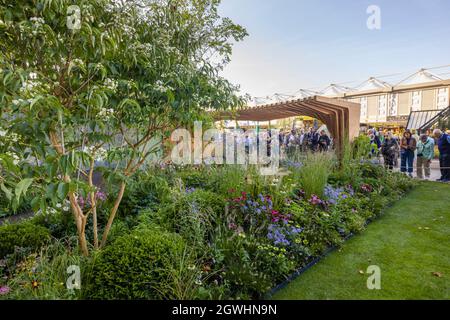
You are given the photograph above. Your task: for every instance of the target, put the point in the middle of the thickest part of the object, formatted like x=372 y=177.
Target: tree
x=99 y=82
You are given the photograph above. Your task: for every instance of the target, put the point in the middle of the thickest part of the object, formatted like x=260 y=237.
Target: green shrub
x=25 y=235
x=60 y=224
x=193 y=215
x=135 y=266
x=145 y=190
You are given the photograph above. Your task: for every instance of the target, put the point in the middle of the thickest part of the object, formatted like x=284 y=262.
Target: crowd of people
x=302 y=141
x=411 y=148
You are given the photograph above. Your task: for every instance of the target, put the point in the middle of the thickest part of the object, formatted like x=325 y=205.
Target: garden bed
x=205 y=232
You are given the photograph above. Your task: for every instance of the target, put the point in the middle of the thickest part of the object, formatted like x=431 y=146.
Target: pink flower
x=315 y=200
x=232 y=226
x=366 y=188
x=4 y=290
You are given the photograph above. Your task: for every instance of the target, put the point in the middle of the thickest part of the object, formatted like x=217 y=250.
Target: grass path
x=410 y=243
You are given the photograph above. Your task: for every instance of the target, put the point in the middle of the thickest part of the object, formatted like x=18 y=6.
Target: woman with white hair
x=443 y=142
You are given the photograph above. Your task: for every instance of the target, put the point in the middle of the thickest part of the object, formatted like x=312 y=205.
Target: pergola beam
x=341 y=117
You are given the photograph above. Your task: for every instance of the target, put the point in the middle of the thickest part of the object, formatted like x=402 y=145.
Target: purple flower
x=100 y=196
x=190 y=190
x=4 y=290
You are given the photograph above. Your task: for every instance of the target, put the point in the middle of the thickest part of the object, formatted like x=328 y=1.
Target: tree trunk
x=113 y=214
x=80 y=219
x=93 y=204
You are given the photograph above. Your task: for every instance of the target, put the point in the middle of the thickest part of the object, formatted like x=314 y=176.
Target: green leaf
x=22 y=187
x=6 y=191
x=63 y=189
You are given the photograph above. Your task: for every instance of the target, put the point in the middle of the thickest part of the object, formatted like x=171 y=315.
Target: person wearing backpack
x=425 y=153
x=443 y=142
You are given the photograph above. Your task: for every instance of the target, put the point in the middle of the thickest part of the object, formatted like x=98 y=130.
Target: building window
x=393 y=105
x=363 y=103
x=382 y=106
x=416 y=101
x=442 y=98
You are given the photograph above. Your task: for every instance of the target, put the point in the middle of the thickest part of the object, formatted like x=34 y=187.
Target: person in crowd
x=301 y=137
x=389 y=150
x=313 y=139
x=324 y=141
x=291 y=143
x=304 y=145
x=443 y=142
x=381 y=136
x=408 y=146
x=247 y=142
x=425 y=154
x=374 y=142
x=417 y=138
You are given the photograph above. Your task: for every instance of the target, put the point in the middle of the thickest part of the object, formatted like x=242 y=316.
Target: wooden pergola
x=340 y=116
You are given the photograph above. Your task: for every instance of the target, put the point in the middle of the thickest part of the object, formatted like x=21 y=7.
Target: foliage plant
x=93 y=89
x=313 y=175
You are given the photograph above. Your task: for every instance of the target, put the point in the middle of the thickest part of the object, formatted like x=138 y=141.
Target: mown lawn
x=410 y=243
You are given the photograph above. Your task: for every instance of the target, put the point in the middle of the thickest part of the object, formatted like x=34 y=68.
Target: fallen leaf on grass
x=437 y=274
x=361 y=272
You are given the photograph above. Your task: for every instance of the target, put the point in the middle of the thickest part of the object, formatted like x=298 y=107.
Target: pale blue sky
x=309 y=44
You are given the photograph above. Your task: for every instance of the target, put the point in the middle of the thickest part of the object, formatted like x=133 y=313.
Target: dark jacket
x=444 y=145
x=389 y=147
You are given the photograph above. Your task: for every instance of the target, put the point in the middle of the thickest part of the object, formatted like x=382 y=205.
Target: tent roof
x=421 y=76
x=372 y=84
x=334 y=90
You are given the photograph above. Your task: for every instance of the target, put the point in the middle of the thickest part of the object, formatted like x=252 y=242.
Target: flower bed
x=237 y=234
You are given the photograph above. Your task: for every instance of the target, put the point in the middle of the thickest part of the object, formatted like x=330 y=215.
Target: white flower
x=159 y=86
x=111 y=84
x=37 y=20
x=14 y=156
x=99 y=154
x=105 y=113
x=28 y=85
x=198 y=282
x=33 y=75
x=78 y=62
x=59 y=205
x=66 y=209
x=16 y=102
